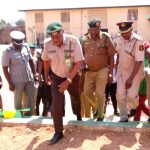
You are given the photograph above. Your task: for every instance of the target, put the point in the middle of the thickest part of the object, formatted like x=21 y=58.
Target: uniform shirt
x=97 y=52
x=130 y=51
x=63 y=58
x=18 y=63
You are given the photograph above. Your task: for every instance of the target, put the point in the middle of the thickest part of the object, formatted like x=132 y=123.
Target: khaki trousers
x=95 y=82
x=86 y=107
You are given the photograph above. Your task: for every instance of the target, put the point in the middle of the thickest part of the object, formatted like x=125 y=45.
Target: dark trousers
x=111 y=89
x=1 y=104
x=44 y=93
x=59 y=100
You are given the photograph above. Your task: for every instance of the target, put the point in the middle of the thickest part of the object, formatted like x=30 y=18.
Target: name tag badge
x=141 y=48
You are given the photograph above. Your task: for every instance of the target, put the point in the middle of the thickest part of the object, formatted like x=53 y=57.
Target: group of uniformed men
x=94 y=57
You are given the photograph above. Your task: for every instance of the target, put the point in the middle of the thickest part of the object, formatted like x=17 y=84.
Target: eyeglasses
x=55 y=33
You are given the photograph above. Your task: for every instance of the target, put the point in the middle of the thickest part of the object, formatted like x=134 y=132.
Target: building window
x=65 y=19
x=38 y=17
x=39 y=27
x=132 y=14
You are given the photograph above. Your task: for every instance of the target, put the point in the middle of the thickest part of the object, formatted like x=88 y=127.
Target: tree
x=20 y=22
x=3 y=23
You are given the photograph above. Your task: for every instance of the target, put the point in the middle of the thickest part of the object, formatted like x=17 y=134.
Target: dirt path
x=26 y=137
x=76 y=138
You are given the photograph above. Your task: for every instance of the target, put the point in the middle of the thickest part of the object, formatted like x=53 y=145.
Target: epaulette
x=9 y=48
x=106 y=34
x=138 y=37
x=86 y=37
x=47 y=40
x=116 y=37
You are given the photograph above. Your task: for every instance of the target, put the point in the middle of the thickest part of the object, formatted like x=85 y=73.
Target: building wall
x=143 y=23
x=115 y=16
x=30 y=26
x=5 y=33
x=80 y=17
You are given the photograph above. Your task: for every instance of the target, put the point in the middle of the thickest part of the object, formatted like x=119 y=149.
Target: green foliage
x=20 y=22
x=3 y=23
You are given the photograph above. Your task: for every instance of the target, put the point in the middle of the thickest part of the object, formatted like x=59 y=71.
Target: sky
x=9 y=10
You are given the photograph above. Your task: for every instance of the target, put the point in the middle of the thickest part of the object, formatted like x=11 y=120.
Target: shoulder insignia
x=138 y=37
x=141 y=48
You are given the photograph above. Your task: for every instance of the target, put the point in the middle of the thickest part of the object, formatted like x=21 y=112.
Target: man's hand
x=128 y=83
x=63 y=86
x=11 y=87
x=48 y=80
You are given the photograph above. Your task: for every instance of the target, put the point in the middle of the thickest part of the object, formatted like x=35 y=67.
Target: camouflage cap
x=53 y=28
x=94 y=22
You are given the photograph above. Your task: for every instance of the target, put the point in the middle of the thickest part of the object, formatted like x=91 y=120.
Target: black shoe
x=57 y=136
x=116 y=113
x=79 y=118
x=126 y=120
x=95 y=113
x=27 y=114
x=44 y=114
x=132 y=112
x=100 y=119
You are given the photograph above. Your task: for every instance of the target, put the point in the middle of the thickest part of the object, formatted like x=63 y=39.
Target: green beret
x=94 y=22
x=31 y=45
x=125 y=26
x=53 y=27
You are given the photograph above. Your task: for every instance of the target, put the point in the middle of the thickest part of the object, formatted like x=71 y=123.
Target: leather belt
x=87 y=69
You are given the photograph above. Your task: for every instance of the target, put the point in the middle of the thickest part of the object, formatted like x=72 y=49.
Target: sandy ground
x=75 y=138
x=25 y=137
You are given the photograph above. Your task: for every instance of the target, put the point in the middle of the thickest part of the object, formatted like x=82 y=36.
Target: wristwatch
x=69 y=80
x=110 y=75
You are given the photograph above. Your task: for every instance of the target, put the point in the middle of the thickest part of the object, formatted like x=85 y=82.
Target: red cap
x=146 y=45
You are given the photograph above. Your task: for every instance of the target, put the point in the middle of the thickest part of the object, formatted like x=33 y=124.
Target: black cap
x=125 y=26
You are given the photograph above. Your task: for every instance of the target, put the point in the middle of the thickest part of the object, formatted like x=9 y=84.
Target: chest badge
x=141 y=48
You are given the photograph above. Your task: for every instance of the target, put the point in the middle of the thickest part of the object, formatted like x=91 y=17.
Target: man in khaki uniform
x=86 y=108
x=99 y=56
x=130 y=71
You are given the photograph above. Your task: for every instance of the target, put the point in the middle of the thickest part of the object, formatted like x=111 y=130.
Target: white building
x=74 y=14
